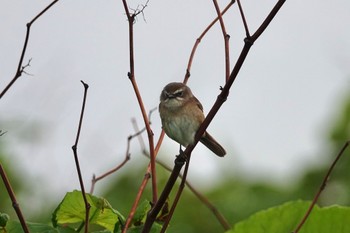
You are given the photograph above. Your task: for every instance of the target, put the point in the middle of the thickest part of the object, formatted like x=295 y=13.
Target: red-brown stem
x=137 y=200
x=131 y=74
x=142 y=187
x=13 y=199
x=199 y=39
x=322 y=187
x=95 y=179
x=226 y=40
x=74 y=148
x=126 y=159
x=247 y=33
x=20 y=67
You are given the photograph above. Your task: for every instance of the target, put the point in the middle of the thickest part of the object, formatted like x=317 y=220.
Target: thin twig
x=178 y=195
x=146 y=178
x=152 y=214
x=138 y=11
x=15 y=204
x=321 y=188
x=226 y=40
x=96 y=179
x=2 y=132
x=74 y=148
x=247 y=33
x=131 y=75
x=20 y=67
x=126 y=159
x=199 y=39
x=142 y=187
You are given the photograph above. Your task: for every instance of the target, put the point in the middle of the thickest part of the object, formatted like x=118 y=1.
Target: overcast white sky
x=272 y=125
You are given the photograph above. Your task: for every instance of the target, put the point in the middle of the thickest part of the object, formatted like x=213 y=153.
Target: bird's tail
x=213 y=145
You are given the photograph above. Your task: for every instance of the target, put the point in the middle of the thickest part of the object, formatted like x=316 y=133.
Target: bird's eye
x=179 y=94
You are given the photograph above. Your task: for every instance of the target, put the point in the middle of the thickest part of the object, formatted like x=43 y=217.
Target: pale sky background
x=272 y=125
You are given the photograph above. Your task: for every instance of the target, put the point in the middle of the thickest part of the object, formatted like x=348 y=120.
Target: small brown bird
x=182 y=114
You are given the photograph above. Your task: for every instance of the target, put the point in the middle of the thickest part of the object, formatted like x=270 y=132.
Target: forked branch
x=20 y=67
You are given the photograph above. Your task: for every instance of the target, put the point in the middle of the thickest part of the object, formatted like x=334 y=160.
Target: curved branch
x=322 y=187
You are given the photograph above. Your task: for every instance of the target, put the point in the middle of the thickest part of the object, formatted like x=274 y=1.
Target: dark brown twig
x=321 y=188
x=20 y=67
x=152 y=214
x=178 y=195
x=13 y=199
x=74 y=148
x=151 y=217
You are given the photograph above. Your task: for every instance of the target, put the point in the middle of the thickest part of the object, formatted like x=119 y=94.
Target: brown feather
x=213 y=145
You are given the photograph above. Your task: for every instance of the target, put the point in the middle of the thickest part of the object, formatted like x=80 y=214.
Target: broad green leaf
x=72 y=210
x=285 y=218
x=156 y=227
x=141 y=212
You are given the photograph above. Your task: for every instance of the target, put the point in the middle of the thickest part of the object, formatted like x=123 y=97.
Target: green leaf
x=141 y=212
x=285 y=218
x=72 y=210
x=16 y=227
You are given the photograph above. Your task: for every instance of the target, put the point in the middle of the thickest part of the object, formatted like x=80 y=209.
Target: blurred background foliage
x=236 y=197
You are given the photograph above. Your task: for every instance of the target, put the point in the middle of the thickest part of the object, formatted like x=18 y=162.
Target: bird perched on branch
x=182 y=114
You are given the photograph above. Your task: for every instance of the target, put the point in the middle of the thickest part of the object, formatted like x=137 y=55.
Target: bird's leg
x=181 y=157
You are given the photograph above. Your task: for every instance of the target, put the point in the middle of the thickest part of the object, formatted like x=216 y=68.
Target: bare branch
x=226 y=40
x=247 y=34
x=199 y=39
x=20 y=67
x=13 y=199
x=131 y=75
x=322 y=187
x=74 y=148
x=138 y=11
x=146 y=177
x=178 y=195
x=179 y=162
x=127 y=155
